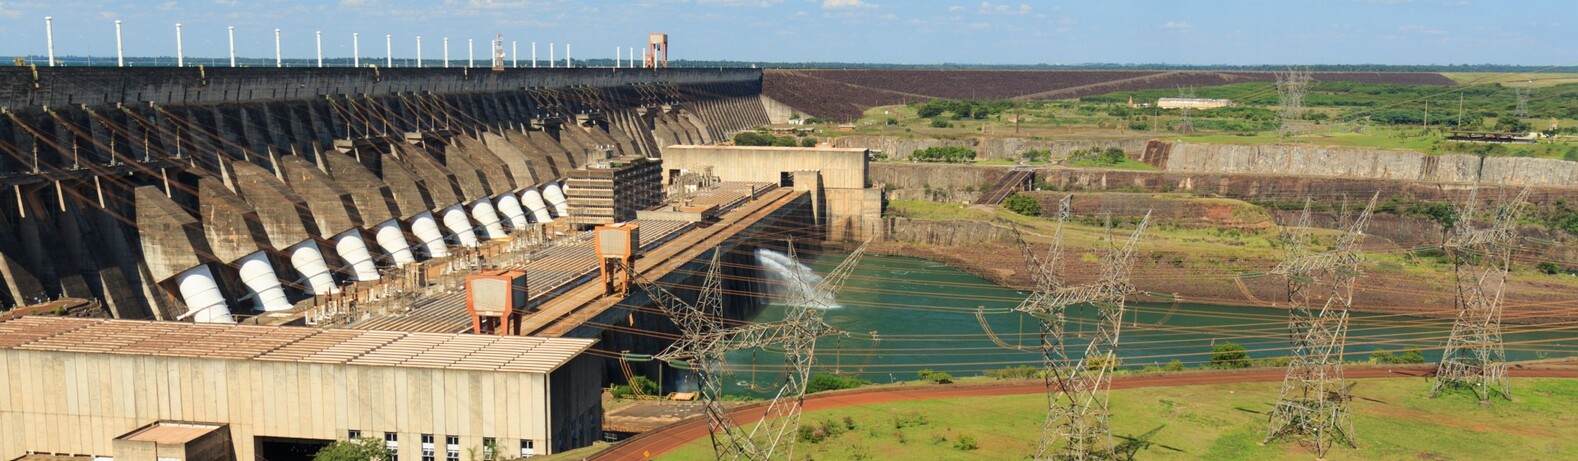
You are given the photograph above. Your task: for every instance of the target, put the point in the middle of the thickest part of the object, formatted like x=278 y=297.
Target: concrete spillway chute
x=426 y=230
x=554 y=195
x=488 y=218
x=392 y=240
x=353 y=250
x=308 y=260
x=539 y=208
x=258 y=274
x=455 y=219
x=204 y=302
x=510 y=207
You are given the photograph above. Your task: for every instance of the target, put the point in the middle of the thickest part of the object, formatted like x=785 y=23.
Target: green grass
x=1393 y=418
x=1125 y=164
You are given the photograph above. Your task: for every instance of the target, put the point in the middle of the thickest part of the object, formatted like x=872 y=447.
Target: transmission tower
x=1474 y=357
x=1076 y=424
x=797 y=333
x=1185 y=124
x=1292 y=85
x=1314 y=399
x=1522 y=93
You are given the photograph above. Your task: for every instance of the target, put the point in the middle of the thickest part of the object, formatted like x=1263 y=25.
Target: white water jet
x=791 y=280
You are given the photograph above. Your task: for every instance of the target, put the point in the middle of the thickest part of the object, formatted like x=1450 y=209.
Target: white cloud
x=8 y=12
x=1181 y=26
x=1418 y=29
x=760 y=3
x=1003 y=8
x=845 y=4
x=956 y=8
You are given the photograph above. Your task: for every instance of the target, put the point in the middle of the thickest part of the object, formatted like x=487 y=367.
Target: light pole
x=232 y=46
x=49 y=36
x=470 y=60
x=515 y=59
x=356 y=49
x=446 y=52
x=180 y=53
x=320 y=48
x=120 y=53
x=279 y=61
x=534 y=55
x=419 y=51
x=389 y=50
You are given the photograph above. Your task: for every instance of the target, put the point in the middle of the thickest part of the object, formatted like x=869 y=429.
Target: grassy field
x=1535 y=80
x=1393 y=418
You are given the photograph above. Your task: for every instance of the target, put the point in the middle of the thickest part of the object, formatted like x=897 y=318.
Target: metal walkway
x=1016 y=179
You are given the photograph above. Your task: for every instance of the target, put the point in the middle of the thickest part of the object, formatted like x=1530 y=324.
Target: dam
x=324 y=222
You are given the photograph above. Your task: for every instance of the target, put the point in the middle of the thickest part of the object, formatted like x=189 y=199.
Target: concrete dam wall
x=986 y=148
x=186 y=193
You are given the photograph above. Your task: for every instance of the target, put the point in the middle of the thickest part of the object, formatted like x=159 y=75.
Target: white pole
x=320 y=48
x=568 y=62
x=552 y=61
x=232 y=46
x=470 y=59
x=389 y=50
x=419 y=51
x=279 y=61
x=643 y=57
x=515 y=59
x=180 y=53
x=120 y=53
x=534 y=55
x=446 y=52
x=356 y=49
x=49 y=36
x=618 y=53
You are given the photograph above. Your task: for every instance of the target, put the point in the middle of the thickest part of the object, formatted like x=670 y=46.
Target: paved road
x=657 y=442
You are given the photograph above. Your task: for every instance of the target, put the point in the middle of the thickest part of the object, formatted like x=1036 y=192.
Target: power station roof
x=519 y=354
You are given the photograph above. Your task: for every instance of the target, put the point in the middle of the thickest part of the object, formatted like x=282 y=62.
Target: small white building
x=1192 y=103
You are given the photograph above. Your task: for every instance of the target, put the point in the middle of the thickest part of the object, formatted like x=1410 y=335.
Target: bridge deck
x=557 y=278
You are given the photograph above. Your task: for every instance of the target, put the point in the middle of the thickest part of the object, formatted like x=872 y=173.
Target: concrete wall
x=841 y=168
x=985 y=147
x=79 y=402
x=1368 y=164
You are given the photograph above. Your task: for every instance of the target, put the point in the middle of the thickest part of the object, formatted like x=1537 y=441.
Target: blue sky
x=1534 y=32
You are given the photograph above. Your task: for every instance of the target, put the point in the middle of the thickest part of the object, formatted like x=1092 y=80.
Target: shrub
x=825 y=382
x=965 y=442
x=1175 y=365
x=1019 y=372
x=1023 y=205
x=946 y=154
x=1036 y=155
x=785 y=141
x=940 y=123
x=909 y=420
x=645 y=384
x=939 y=377
x=1229 y=355
x=892 y=121
x=362 y=449
x=751 y=138
x=1548 y=268
x=1408 y=356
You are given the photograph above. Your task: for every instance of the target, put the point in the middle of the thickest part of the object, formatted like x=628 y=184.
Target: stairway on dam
x=212 y=194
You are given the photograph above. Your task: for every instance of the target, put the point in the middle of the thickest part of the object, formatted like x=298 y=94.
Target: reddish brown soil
x=655 y=443
x=846 y=94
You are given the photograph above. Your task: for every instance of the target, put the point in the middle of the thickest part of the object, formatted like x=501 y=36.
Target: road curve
x=659 y=441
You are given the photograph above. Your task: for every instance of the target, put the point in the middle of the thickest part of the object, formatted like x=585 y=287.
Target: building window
x=527 y=450
x=427 y=447
x=392 y=442
x=451 y=448
x=353 y=434
x=490 y=448
x=786 y=179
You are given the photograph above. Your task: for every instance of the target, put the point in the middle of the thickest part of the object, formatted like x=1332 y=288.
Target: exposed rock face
x=985 y=148
x=1279 y=159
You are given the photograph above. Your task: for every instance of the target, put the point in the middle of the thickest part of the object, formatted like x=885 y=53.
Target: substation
x=258 y=262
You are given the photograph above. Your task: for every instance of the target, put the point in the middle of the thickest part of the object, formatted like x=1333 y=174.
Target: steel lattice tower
x=702 y=349
x=1076 y=425
x=1314 y=399
x=1474 y=357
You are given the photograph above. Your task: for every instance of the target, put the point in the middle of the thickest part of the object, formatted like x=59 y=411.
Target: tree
x=808 y=142
x=751 y=138
x=1443 y=214
x=1229 y=355
x=1023 y=205
x=362 y=449
x=646 y=385
x=1512 y=125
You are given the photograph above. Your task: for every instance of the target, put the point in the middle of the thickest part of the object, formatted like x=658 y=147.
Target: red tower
x=497 y=300
x=657 y=50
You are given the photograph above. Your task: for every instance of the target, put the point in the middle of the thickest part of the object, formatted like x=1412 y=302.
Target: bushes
x=752 y=138
x=825 y=382
x=1408 y=356
x=1548 y=268
x=1097 y=156
x=645 y=384
x=362 y=449
x=825 y=430
x=1023 y=205
x=909 y=420
x=939 y=377
x=940 y=123
x=1229 y=355
x=1037 y=155
x=966 y=442
x=946 y=154
x=1019 y=372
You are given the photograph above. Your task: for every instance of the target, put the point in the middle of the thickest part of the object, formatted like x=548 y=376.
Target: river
x=903 y=315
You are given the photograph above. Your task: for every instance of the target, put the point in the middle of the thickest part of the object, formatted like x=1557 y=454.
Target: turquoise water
x=924 y=317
